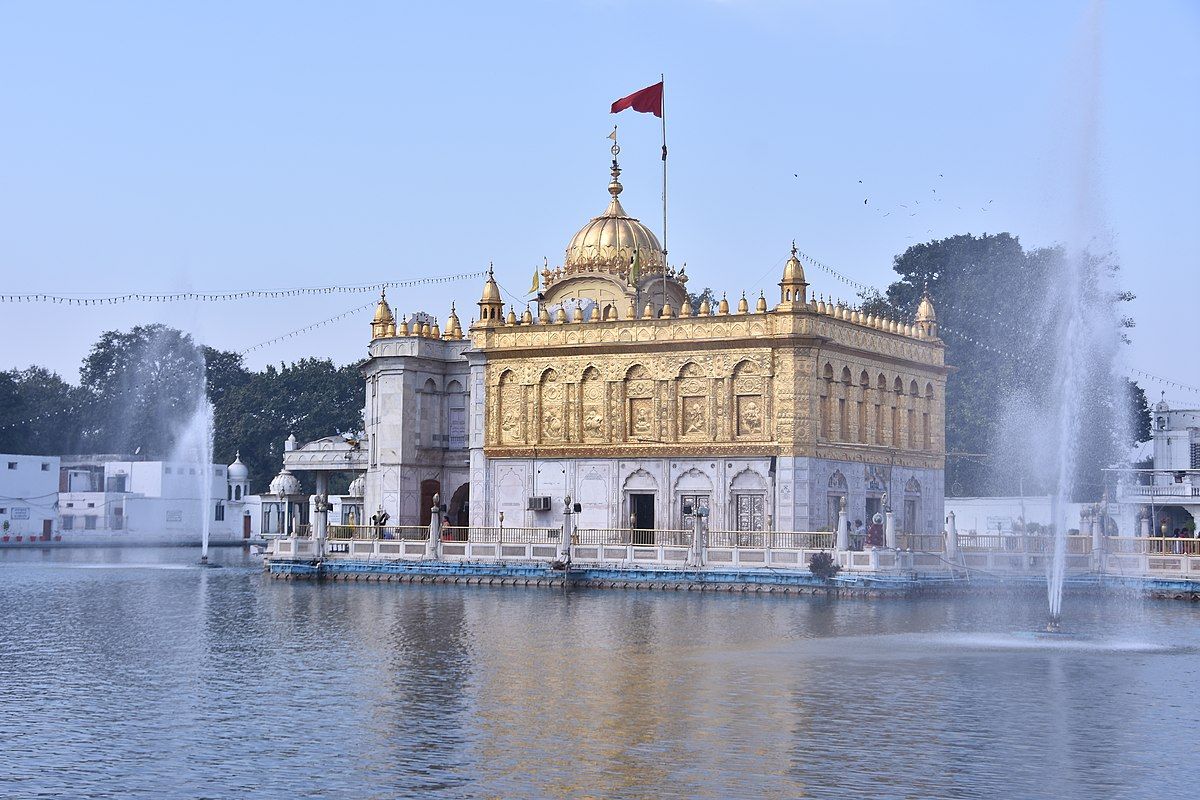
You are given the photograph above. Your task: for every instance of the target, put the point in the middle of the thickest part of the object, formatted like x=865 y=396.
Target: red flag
x=647 y=101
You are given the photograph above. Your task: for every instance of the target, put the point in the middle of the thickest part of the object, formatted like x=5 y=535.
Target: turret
x=491 y=307
x=383 y=323
x=792 y=289
x=926 y=317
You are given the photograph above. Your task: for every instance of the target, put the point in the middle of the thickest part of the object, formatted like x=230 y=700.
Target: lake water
x=130 y=673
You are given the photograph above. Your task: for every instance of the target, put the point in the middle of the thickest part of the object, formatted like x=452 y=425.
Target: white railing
x=1164 y=490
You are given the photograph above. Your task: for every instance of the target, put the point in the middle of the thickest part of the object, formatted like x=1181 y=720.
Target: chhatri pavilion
x=618 y=393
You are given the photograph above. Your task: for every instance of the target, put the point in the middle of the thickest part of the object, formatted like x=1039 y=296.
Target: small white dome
x=357 y=487
x=285 y=483
x=238 y=472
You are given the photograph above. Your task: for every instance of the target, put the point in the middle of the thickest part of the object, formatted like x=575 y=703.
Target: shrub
x=823 y=566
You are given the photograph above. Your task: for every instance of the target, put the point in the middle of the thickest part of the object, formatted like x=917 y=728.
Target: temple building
x=619 y=393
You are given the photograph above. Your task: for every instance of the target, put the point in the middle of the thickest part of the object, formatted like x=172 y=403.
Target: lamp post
x=433 y=547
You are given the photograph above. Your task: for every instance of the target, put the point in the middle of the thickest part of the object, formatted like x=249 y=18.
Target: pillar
x=695 y=552
x=568 y=530
x=1098 y=530
x=433 y=547
x=951 y=538
x=889 y=530
x=1145 y=524
x=842 y=540
x=321 y=514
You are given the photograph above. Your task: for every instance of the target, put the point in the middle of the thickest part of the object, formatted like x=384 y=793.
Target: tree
x=1000 y=312
x=311 y=398
x=705 y=294
x=41 y=412
x=140 y=384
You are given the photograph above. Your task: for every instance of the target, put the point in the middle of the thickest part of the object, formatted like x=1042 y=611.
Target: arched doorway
x=429 y=488
x=459 y=509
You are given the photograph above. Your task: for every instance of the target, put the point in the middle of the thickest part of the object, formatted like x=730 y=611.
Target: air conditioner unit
x=539 y=504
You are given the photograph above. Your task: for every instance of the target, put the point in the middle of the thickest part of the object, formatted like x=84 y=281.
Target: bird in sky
x=864 y=202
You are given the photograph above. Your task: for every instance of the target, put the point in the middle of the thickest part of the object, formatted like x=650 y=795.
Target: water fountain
x=195 y=446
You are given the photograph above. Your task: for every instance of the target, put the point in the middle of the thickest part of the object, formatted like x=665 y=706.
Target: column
x=842 y=540
x=433 y=547
x=321 y=514
x=951 y=538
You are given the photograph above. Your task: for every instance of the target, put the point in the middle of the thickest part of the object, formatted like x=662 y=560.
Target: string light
x=248 y=294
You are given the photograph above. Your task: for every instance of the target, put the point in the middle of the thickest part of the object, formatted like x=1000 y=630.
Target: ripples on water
x=131 y=674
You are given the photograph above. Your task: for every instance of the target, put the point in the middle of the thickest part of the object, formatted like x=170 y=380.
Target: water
x=195 y=446
x=132 y=673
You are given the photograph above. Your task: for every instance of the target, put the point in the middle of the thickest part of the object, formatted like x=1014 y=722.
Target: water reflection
x=130 y=672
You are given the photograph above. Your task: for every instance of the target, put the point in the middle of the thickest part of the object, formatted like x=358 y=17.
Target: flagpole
x=663 y=77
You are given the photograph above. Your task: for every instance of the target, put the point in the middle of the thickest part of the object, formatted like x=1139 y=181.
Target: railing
x=373 y=532
x=1019 y=543
x=922 y=542
x=506 y=534
x=1152 y=545
x=772 y=540
x=1167 y=490
x=303 y=530
x=639 y=537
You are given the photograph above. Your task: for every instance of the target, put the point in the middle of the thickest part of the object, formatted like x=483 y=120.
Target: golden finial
x=666 y=312
x=404 y=327
x=761 y=306
x=631 y=311
x=648 y=312
x=595 y=315
x=743 y=307
x=577 y=314
x=723 y=306
x=685 y=310
x=527 y=317
x=511 y=319
x=560 y=317
x=543 y=316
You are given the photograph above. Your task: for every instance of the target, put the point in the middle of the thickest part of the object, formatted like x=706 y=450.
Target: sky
x=159 y=147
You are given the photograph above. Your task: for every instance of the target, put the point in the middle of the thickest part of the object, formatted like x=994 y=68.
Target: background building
x=28 y=497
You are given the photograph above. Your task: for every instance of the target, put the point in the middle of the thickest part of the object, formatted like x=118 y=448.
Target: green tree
x=311 y=398
x=39 y=412
x=999 y=318
x=141 y=383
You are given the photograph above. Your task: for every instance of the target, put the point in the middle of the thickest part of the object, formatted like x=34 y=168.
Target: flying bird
x=864 y=202
x=887 y=213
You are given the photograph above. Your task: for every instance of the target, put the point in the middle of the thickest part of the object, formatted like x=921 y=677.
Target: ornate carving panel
x=749 y=416
x=693 y=416
x=641 y=418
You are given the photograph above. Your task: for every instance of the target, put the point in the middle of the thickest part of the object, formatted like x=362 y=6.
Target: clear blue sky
x=217 y=146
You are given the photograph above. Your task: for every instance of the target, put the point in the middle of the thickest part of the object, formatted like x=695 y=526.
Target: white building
x=1165 y=498
x=147 y=502
x=28 y=498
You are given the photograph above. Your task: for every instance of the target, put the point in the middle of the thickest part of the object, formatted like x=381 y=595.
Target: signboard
x=20 y=512
x=175 y=516
x=999 y=525
x=458 y=429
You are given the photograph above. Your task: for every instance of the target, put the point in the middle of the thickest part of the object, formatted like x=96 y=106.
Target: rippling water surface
x=129 y=673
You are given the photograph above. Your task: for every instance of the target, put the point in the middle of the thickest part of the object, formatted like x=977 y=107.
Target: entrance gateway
x=641 y=518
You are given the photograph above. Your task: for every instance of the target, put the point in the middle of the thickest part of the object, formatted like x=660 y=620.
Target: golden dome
x=743 y=307
x=761 y=306
x=491 y=292
x=925 y=312
x=723 y=306
x=383 y=312
x=793 y=270
x=607 y=243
